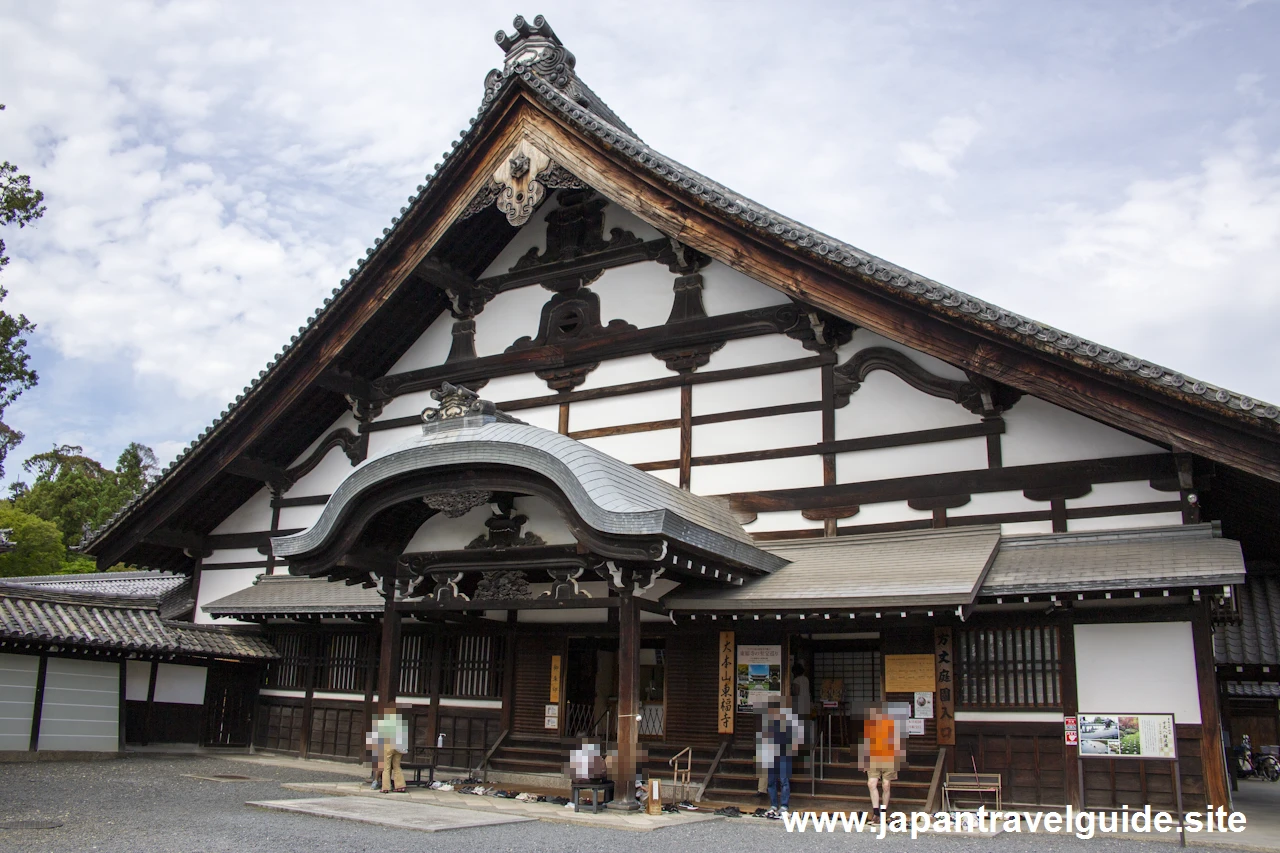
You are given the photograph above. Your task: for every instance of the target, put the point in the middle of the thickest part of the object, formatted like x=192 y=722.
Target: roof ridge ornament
x=539 y=49
x=461 y=404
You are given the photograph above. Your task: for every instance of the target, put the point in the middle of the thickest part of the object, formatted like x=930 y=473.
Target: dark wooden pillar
x=314 y=651
x=1070 y=708
x=1211 y=758
x=151 y=701
x=37 y=705
x=120 y=717
x=389 y=660
x=628 y=700
x=509 y=671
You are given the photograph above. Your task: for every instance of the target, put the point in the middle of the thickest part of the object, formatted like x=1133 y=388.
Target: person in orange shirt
x=881 y=754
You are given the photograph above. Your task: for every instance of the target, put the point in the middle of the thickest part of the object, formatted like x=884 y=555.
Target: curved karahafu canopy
x=468 y=451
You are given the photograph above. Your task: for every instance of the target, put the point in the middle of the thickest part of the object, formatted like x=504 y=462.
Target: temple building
x=589 y=445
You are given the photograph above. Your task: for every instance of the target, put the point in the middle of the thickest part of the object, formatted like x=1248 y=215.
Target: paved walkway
x=395 y=813
x=606 y=819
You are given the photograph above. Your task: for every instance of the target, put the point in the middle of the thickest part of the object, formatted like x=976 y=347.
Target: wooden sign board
x=728 y=680
x=555 y=680
x=909 y=673
x=945 y=707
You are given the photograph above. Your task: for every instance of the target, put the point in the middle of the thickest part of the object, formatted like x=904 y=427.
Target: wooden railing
x=935 y=784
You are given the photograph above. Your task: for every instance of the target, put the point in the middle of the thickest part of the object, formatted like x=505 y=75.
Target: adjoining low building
x=714 y=445
x=90 y=663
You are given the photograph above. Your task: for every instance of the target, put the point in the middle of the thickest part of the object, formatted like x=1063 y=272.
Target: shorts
x=882 y=768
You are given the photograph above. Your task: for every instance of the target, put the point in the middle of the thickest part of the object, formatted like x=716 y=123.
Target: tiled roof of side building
x=1256 y=640
x=287 y=594
x=87 y=620
x=549 y=73
x=1144 y=558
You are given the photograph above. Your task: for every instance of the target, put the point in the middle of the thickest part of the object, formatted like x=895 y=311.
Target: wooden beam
x=1113 y=470
x=37 y=704
x=628 y=701
x=389 y=660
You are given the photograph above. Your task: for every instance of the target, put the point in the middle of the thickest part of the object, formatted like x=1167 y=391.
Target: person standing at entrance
x=802 y=699
x=881 y=754
x=781 y=737
x=394 y=733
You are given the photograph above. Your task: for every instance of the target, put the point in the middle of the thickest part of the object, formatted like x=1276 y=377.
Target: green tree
x=19 y=205
x=75 y=492
x=38 y=548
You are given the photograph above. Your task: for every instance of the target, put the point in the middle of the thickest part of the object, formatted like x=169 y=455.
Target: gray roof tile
x=1256 y=640
x=286 y=595
x=119 y=623
x=1145 y=558
x=931 y=567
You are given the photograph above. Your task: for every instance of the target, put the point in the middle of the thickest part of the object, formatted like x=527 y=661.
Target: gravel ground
x=144 y=804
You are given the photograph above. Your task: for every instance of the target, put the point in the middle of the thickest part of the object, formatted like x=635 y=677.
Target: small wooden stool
x=601 y=793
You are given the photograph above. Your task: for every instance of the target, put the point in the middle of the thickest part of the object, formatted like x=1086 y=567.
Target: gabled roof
x=289 y=595
x=1111 y=386
x=95 y=621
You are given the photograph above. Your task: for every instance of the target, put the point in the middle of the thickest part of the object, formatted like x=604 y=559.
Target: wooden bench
x=601 y=793
x=427 y=758
x=971 y=783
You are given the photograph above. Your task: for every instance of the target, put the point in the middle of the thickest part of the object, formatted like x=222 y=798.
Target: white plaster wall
x=620 y=371
x=865 y=338
x=532 y=233
x=891 y=462
x=762 y=349
x=797 y=473
x=253 y=515
x=234 y=555
x=885 y=513
x=790 y=520
x=325 y=477
x=634 y=448
x=215 y=584
x=430 y=349
x=508 y=317
x=1113 y=494
x=544 y=520
x=137 y=680
x=997 y=502
x=17 y=700
x=518 y=387
x=1036 y=432
x=347 y=420
x=885 y=405
x=725 y=290
x=181 y=685
x=584 y=616
x=384 y=441
x=547 y=417
x=300 y=517
x=641 y=294
x=1137 y=668
x=441 y=533
x=1124 y=522
x=795 y=430
x=1020 y=528
x=408 y=404
x=632 y=409
x=617 y=217
x=799 y=386
x=671 y=476
x=81 y=708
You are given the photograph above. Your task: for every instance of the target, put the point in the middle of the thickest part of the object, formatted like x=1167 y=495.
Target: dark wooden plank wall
x=533 y=681
x=692 y=678
x=1030 y=757
x=280 y=725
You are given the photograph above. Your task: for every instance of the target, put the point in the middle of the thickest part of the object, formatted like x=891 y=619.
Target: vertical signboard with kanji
x=944 y=663
x=728 y=680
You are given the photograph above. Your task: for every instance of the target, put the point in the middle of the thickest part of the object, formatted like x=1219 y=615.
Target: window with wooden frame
x=472 y=666
x=290 y=671
x=416 y=653
x=1009 y=668
x=345 y=661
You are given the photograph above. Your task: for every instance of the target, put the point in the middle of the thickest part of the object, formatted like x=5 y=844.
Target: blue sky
x=213 y=168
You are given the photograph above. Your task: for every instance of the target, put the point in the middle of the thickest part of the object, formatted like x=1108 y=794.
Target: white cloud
x=213 y=168
x=950 y=139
